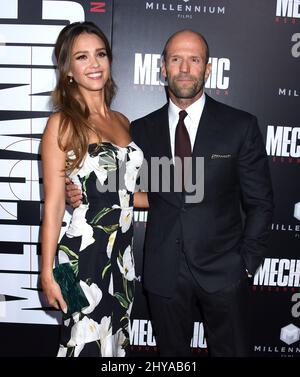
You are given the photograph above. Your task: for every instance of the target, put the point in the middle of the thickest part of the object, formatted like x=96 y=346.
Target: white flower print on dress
x=132 y=167
x=93 y=294
x=63 y=257
x=80 y=227
x=106 y=337
x=126 y=214
x=104 y=231
x=127 y=265
x=78 y=349
x=90 y=164
x=129 y=309
x=121 y=154
x=110 y=243
x=119 y=338
x=62 y=351
x=111 y=286
x=76 y=317
x=84 y=331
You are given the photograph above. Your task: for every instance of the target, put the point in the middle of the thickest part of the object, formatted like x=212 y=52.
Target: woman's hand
x=53 y=293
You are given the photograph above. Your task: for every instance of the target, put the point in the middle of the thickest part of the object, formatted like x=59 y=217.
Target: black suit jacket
x=227 y=232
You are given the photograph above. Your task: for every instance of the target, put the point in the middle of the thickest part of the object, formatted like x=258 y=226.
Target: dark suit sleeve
x=134 y=132
x=257 y=196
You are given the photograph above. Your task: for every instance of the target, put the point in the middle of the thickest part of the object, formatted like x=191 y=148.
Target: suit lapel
x=205 y=136
x=163 y=149
x=162 y=134
x=206 y=130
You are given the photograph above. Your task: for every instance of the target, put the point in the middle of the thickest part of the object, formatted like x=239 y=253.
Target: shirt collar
x=194 y=111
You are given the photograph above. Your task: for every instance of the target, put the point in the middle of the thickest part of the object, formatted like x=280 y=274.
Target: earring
x=70 y=79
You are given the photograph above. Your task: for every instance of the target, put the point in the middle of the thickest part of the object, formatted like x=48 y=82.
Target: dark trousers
x=224 y=315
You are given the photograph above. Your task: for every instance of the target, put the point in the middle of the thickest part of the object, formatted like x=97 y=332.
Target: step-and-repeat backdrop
x=255 y=55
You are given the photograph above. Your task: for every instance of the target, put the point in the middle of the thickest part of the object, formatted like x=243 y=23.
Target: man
x=198 y=256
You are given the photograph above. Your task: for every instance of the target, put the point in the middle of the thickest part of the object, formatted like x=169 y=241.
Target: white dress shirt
x=191 y=121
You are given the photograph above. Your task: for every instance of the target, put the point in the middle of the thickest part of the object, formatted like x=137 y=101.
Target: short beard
x=186 y=93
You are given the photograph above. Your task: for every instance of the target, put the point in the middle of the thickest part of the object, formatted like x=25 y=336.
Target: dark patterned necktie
x=182 y=144
x=182 y=140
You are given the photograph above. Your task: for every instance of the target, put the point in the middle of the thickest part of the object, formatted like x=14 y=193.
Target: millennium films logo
x=147 y=74
x=287 y=11
x=184 y=9
x=283 y=143
x=288 y=92
x=290 y=335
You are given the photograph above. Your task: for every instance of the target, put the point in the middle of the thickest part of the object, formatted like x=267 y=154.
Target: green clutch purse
x=70 y=288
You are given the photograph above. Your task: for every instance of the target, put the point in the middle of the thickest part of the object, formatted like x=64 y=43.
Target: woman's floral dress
x=98 y=244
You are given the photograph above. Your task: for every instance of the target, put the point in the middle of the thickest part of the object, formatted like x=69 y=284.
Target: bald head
x=187 y=33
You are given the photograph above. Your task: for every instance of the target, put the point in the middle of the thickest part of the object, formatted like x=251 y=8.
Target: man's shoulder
x=151 y=117
x=222 y=109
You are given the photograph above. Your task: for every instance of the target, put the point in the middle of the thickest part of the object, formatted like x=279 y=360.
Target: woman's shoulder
x=55 y=119
x=53 y=125
x=122 y=119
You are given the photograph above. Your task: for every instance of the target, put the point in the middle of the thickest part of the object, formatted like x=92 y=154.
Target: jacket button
x=177 y=241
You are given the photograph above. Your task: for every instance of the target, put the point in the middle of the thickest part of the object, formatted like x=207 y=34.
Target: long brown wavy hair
x=74 y=128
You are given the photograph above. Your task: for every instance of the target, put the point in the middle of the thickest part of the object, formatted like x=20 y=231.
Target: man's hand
x=73 y=194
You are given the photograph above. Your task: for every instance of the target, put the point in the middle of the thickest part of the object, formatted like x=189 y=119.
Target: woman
x=87 y=141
